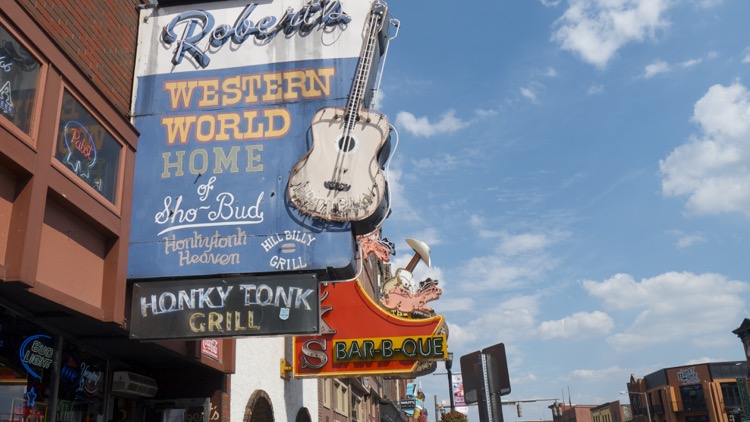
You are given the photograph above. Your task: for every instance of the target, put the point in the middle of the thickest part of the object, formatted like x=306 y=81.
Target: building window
x=80 y=395
x=357 y=409
x=692 y=397
x=327 y=387
x=340 y=397
x=731 y=395
x=27 y=360
x=87 y=149
x=19 y=77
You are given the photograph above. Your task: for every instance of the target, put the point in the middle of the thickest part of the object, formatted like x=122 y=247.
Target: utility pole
x=437 y=411
x=448 y=366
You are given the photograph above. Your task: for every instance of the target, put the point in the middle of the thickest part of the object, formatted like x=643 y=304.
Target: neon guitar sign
x=340 y=178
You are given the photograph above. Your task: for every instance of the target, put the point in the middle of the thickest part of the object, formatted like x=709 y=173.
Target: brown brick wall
x=99 y=36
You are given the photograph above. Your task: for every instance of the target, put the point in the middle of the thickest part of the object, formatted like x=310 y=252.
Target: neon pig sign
x=199 y=24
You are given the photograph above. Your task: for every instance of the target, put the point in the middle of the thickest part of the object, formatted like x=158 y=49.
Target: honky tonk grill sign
x=360 y=338
x=225 y=307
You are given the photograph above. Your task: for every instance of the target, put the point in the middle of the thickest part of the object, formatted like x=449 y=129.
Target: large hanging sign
x=225 y=307
x=359 y=338
x=224 y=99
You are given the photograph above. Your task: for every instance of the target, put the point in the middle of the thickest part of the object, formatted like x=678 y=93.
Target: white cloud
x=512 y=245
x=511 y=320
x=693 y=308
x=591 y=375
x=660 y=66
x=378 y=100
x=402 y=208
x=686 y=240
x=655 y=68
x=579 y=325
x=711 y=169
x=421 y=126
x=440 y=163
x=529 y=94
x=596 y=29
x=452 y=304
x=595 y=89
x=461 y=335
x=514 y=261
x=707 y=3
x=690 y=63
x=523 y=379
x=483 y=113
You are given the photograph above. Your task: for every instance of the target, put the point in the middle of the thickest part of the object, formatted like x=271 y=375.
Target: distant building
x=562 y=412
x=704 y=392
x=611 y=412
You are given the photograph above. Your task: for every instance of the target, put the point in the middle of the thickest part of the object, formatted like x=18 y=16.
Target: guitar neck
x=356 y=96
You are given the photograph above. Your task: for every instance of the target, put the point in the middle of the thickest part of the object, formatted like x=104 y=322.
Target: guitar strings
x=375 y=24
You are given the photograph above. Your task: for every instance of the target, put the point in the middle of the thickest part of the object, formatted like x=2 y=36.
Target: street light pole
x=437 y=409
x=448 y=366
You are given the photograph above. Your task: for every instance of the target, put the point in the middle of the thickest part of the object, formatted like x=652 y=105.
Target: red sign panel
x=359 y=338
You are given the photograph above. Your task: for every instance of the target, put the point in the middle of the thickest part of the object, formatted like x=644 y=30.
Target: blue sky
x=580 y=171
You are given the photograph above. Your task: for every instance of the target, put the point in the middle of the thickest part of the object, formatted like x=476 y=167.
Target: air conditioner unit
x=129 y=384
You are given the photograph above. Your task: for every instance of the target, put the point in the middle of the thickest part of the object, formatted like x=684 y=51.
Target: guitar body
x=340 y=178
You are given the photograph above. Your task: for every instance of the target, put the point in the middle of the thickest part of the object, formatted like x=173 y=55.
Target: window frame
x=326 y=399
x=116 y=205
x=31 y=137
x=340 y=398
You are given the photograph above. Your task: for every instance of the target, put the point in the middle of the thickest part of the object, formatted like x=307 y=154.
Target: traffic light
x=518 y=409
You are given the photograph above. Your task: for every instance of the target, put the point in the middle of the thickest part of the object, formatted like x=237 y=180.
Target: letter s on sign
x=318 y=353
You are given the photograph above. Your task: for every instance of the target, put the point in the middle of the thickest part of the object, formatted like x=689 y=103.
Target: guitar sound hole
x=346 y=144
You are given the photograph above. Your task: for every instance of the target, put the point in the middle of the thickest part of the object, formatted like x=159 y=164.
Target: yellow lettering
x=200 y=327
x=205 y=128
x=228 y=121
x=273 y=87
x=250 y=321
x=250 y=89
x=180 y=93
x=294 y=79
x=178 y=127
x=249 y=84
x=322 y=88
x=214 y=321
x=250 y=118
x=232 y=91
x=210 y=94
x=276 y=117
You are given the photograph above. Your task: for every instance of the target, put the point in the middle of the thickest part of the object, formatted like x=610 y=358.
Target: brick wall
x=99 y=36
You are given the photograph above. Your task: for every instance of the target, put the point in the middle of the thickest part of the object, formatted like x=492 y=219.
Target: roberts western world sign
x=224 y=99
x=225 y=307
